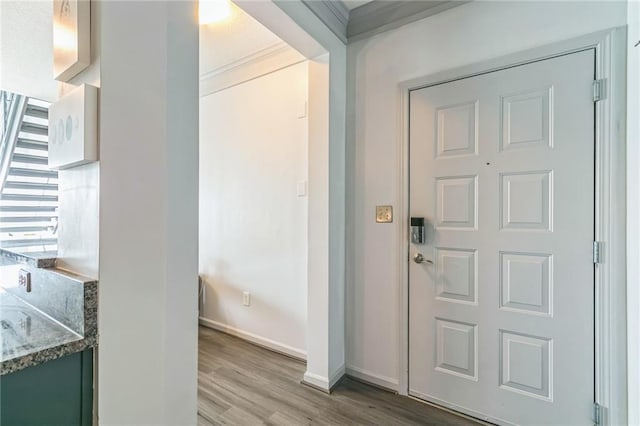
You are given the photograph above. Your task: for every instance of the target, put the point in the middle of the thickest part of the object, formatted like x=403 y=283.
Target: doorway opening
x=264 y=110
x=253 y=184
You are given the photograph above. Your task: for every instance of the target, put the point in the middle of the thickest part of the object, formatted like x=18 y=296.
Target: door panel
x=502 y=169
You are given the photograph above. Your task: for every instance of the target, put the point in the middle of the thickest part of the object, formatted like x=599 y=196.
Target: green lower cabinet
x=58 y=392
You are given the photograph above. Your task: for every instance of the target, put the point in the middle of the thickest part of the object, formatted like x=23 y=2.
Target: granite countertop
x=58 y=318
x=25 y=330
x=39 y=259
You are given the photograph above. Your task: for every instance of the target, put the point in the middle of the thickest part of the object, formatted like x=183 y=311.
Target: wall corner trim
x=337 y=375
x=316 y=381
x=324 y=384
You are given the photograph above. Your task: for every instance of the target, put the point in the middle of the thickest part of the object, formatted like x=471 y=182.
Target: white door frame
x=610 y=210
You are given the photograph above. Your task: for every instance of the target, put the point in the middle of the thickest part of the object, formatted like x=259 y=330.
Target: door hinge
x=598 y=414
x=597 y=252
x=599 y=89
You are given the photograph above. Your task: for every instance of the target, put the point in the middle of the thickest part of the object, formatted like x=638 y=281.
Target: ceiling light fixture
x=213 y=11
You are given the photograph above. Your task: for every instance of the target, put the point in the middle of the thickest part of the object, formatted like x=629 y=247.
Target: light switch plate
x=384 y=214
x=301 y=189
x=302 y=110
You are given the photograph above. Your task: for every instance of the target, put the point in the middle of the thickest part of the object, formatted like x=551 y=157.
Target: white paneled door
x=501 y=309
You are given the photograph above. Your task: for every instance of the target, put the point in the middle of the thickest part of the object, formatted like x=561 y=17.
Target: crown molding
x=333 y=13
x=259 y=63
x=379 y=16
x=338 y=9
x=256 y=56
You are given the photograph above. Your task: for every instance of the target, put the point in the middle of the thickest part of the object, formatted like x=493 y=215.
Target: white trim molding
x=379 y=380
x=379 y=16
x=255 y=339
x=334 y=14
x=257 y=64
x=374 y=17
x=611 y=312
x=321 y=383
x=316 y=381
x=633 y=211
x=610 y=207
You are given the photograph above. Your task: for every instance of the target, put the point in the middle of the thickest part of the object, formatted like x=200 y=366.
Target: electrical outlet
x=24 y=280
x=246 y=298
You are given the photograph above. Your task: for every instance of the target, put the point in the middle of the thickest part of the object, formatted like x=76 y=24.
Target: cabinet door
x=56 y=392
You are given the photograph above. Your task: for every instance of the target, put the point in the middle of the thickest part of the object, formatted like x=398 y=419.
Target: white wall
x=79 y=187
x=26 y=54
x=147 y=312
x=461 y=36
x=253 y=226
x=633 y=211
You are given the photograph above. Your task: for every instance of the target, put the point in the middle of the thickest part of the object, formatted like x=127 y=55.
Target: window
x=29 y=190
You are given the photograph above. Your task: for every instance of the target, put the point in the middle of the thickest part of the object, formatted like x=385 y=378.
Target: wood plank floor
x=243 y=384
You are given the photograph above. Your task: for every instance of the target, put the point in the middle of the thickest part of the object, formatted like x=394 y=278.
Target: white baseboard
x=375 y=379
x=322 y=383
x=254 y=338
x=317 y=381
x=336 y=376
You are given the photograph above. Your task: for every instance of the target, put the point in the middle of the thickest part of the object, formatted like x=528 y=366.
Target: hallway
x=243 y=384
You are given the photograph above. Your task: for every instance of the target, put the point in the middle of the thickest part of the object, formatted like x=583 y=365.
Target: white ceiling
x=26 y=54
x=235 y=38
x=26 y=45
x=26 y=40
